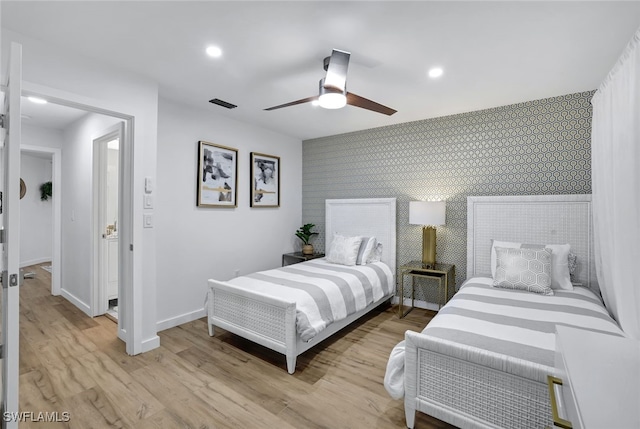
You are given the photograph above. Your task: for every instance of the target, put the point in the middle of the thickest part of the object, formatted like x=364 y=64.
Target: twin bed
x=293 y=308
x=483 y=361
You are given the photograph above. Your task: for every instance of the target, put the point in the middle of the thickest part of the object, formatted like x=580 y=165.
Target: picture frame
x=265 y=180
x=217 y=175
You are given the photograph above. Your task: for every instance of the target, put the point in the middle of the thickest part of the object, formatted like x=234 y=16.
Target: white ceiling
x=493 y=53
x=49 y=115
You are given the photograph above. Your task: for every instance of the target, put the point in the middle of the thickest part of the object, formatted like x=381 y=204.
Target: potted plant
x=304 y=233
x=46 y=190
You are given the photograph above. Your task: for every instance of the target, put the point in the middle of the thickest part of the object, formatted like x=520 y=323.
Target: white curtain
x=615 y=163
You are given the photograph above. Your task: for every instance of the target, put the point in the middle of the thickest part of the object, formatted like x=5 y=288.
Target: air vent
x=223 y=103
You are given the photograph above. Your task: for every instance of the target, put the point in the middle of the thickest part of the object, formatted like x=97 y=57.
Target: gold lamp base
x=428 y=245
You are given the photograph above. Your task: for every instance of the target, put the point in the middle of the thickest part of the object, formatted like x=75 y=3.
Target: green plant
x=45 y=191
x=304 y=233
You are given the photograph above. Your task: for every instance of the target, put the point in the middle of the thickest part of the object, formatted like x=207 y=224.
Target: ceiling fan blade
x=337 y=70
x=293 y=103
x=356 y=100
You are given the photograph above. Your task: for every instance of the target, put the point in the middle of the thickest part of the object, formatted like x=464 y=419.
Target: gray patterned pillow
x=524 y=269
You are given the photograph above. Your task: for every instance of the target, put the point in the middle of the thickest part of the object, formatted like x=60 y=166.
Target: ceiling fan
x=333 y=88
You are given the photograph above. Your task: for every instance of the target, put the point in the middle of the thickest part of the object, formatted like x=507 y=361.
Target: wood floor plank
x=70 y=362
x=134 y=401
x=92 y=409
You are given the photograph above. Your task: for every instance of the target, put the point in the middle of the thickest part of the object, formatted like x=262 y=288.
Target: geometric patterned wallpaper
x=531 y=148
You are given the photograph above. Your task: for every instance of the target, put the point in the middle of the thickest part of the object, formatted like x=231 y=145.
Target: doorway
x=106 y=180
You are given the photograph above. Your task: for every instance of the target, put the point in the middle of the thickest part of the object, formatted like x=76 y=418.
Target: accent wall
x=531 y=148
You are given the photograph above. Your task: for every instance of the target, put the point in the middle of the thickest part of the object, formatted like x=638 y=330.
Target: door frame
x=12 y=275
x=98 y=288
x=131 y=311
x=56 y=180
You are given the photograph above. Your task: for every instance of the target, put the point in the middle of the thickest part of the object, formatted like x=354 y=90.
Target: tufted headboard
x=536 y=219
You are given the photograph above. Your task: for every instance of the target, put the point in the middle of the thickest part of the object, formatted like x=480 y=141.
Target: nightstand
x=296 y=257
x=444 y=273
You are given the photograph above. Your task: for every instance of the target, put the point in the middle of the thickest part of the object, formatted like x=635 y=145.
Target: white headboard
x=369 y=217
x=535 y=219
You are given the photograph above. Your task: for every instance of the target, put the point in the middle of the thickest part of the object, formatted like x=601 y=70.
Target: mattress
x=323 y=292
x=516 y=323
x=504 y=322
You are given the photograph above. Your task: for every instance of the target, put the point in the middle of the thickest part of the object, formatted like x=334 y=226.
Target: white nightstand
x=600 y=376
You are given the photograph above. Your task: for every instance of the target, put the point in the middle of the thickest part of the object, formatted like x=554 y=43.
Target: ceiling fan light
x=332 y=100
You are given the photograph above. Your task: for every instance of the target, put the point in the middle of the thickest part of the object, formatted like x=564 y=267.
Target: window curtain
x=615 y=173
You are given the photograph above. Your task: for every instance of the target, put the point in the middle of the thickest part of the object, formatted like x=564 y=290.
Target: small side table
x=296 y=257
x=444 y=273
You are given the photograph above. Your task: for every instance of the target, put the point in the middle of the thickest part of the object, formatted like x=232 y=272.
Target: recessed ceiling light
x=214 y=51
x=315 y=103
x=435 y=72
x=37 y=100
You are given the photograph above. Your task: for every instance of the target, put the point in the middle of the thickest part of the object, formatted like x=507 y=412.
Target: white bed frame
x=463 y=387
x=270 y=321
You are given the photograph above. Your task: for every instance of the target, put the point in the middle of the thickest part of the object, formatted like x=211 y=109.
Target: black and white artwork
x=217 y=176
x=265 y=180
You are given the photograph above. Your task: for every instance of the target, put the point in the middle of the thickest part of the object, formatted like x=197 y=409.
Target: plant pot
x=307 y=249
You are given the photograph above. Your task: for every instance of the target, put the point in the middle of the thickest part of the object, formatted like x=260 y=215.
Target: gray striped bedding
x=517 y=323
x=504 y=322
x=323 y=292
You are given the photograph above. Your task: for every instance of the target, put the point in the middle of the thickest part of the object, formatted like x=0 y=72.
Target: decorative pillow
x=523 y=269
x=376 y=255
x=560 y=278
x=344 y=250
x=366 y=247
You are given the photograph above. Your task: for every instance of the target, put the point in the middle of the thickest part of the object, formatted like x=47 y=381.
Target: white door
x=11 y=276
x=105 y=194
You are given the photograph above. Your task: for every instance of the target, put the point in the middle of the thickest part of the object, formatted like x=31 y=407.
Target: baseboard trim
x=150 y=344
x=179 y=320
x=35 y=262
x=75 y=301
x=418 y=304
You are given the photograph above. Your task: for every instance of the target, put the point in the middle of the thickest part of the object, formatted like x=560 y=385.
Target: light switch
x=148 y=185
x=147 y=220
x=148 y=201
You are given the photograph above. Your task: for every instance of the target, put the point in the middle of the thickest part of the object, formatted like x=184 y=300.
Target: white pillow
x=367 y=246
x=376 y=254
x=344 y=250
x=560 y=277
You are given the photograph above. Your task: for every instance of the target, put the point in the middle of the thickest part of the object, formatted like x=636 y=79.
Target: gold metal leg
x=402 y=313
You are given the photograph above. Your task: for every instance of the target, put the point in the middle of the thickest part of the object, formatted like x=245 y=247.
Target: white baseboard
x=150 y=344
x=418 y=304
x=35 y=261
x=179 y=320
x=75 y=301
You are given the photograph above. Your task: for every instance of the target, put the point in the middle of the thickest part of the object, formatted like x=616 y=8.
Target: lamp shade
x=427 y=212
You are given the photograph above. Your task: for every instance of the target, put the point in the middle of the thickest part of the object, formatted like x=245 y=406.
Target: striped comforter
x=507 y=322
x=517 y=323
x=323 y=292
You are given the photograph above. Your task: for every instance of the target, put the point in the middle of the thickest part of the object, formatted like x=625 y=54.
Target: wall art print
x=217 y=175
x=265 y=180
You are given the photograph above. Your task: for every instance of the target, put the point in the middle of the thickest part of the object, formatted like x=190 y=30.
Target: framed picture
x=265 y=180
x=217 y=175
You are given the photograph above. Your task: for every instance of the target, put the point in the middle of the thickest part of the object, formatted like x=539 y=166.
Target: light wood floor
x=72 y=363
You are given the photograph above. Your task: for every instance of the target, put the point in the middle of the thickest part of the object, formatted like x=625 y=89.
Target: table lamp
x=428 y=214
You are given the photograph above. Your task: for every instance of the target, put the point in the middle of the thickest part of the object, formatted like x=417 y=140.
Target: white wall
x=36 y=232
x=195 y=244
x=36 y=216
x=77 y=201
x=59 y=74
